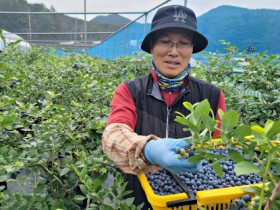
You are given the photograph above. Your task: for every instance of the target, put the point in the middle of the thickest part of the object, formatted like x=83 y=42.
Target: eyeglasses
x=179 y=45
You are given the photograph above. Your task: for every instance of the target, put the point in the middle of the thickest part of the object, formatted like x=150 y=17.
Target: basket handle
x=191 y=200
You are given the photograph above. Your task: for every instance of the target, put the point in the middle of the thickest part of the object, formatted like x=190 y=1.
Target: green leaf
x=40 y=188
x=20 y=104
x=276 y=167
x=244 y=167
x=106 y=207
x=201 y=109
x=3 y=178
x=25 y=145
x=7 y=121
x=268 y=124
x=235 y=156
x=258 y=129
x=180 y=114
x=274 y=130
x=218 y=169
x=188 y=105
x=182 y=120
x=9 y=168
x=51 y=94
x=96 y=184
x=221 y=113
x=229 y=121
x=84 y=189
x=226 y=137
x=83 y=172
x=252 y=189
x=196 y=158
x=103 y=170
x=38 y=205
x=209 y=122
x=128 y=201
x=185 y=121
x=242 y=131
x=79 y=197
x=64 y=171
x=14 y=43
x=216 y=156
x=89 y=182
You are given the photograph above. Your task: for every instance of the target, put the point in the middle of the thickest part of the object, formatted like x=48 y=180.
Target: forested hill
x=259 y=28
x=48 y=23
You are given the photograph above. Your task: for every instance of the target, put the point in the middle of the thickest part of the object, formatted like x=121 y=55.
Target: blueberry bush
x=54 y=110
x=259 y=146
x=251 y=82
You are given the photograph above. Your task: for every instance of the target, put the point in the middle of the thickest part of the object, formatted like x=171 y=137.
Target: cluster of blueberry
x=163 y=184
x=240 y=204
x=186 y=152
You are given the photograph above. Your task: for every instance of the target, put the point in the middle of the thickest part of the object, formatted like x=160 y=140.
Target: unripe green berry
x=186 y=155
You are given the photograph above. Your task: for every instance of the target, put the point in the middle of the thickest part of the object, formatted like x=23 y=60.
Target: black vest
x=154 y=117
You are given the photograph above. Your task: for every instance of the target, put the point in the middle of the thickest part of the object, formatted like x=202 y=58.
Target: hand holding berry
x=164 y=152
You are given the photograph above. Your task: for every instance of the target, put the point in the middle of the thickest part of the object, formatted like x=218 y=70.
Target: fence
x=249 y=30
x=79 y=38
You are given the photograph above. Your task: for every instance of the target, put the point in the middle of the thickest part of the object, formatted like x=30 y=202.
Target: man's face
x=172 y=52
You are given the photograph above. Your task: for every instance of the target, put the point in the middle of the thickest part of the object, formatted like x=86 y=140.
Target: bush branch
x=273 y=196
x=51 y=173
x=71 y=189
x=59 y=181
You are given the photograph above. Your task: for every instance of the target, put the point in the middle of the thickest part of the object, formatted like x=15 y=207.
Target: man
x=141 y=134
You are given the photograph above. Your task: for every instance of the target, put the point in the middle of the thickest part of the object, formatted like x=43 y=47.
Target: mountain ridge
x=242 y=27
x=113 y=19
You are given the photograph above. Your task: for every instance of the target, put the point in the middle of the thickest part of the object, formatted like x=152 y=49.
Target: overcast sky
x=199 y=6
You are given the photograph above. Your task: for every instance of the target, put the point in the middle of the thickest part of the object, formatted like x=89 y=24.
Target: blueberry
x=76 y=66
x=4 y=132
x=39 y=103
x=224 y=185
x=246 y=198
x=14 y=175
x=232 y=183
x=50 y=164
x=173 y=191
x=201 y=187
x=24 y=114
x=238 y=183
x=194 y=187
x=228 y=179
x=191 y=153
x=239 y=203
x=225 y=168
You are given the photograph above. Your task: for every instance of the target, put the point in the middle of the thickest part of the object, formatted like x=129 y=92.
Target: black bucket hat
x=175 y=16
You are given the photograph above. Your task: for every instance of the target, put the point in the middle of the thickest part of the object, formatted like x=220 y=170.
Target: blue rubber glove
x=164 y=152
